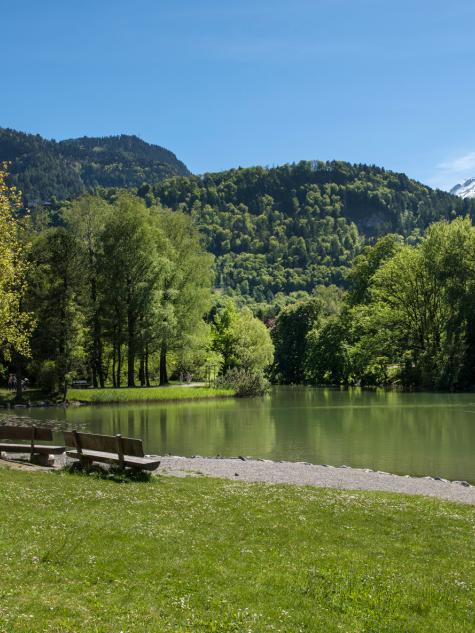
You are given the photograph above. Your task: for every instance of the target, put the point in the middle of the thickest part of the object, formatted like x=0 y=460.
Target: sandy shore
x=303 y=474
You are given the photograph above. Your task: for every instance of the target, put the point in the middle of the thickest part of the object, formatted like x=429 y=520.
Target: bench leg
x=85 y=461
x=42 y=459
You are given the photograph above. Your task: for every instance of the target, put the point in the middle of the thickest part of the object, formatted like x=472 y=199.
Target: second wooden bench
x=109 y=449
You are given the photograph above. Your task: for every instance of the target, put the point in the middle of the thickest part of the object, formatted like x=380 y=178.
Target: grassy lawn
x=190 y=555
x=146 y=394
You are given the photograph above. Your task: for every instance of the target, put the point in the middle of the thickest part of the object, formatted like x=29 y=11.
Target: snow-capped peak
x=467 y=190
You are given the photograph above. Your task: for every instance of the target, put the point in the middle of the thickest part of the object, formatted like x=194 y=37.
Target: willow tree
x=186 y=287
x=15 y=322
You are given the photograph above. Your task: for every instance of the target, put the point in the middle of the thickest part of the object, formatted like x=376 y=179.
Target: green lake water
x=407 y=433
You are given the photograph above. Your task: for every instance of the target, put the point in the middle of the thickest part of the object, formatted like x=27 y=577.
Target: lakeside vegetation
x=352 y=274
x=199 y=554
x=147 y=394
x=407 y=319
x=114 y=293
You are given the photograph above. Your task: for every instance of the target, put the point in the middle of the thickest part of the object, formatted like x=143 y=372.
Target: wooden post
x=120 y=449
x=77 y=442
x=84 y=461
x=32 y=450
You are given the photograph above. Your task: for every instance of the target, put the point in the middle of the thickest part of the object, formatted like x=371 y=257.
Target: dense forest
x=407 y=318
x=357 y=275
x=294 y=227
x=117 y=294
x=44 y=169
x=274 y=232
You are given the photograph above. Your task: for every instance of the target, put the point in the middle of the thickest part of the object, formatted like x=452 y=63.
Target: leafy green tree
x=86 y=219
x=242 y=340
x=186 y=289
x=326 y=354
x=253 y=346
x=290 y=335
x=53 y=283
x=367 y=264
x=132 y=272
x=15 y=321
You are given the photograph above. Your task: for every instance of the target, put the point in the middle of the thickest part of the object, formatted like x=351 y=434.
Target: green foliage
x=15 y=322
x=46 y=170
x=289 y=336
x=326 y=354
x=185 y=289
x=408 y=316
x=53 y=298
x=242 y=340
x=244 y=382
x=291 y=228
x=117 y=281
x=200 y=554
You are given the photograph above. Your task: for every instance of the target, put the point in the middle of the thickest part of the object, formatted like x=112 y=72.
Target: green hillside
x=45 y=169
x=273 y=230
x=290 y=228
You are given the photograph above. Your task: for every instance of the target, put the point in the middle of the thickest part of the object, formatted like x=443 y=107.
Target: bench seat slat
x=148 y=463
x=26 y=448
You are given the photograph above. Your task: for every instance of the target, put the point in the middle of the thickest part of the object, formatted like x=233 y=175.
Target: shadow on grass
x=114 y=473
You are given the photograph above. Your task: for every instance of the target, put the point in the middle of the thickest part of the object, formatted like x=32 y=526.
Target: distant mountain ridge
x=273 y=231
x=45 y=169
x=290 y=228
x=467 y=190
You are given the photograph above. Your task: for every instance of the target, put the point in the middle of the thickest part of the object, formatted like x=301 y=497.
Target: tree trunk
x=119 y=365
x=163 y=364
x=142 y=369
x=18 y=375
x=100 y=365
x=114 y=383
x=147 y=375
x=130 y=350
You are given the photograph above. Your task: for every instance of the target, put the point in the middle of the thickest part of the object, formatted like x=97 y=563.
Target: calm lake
x=406 y=433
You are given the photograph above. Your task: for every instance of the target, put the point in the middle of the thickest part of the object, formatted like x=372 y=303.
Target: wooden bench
x=109 y=449
x=39 y=453
x=80 y=384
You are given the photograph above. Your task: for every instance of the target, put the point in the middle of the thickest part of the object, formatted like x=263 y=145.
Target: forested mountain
x=273 y=230
x=44 y=169
x=293 y=227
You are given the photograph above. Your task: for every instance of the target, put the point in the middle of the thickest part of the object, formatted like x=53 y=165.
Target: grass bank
x=202 y=555
x=146 y=394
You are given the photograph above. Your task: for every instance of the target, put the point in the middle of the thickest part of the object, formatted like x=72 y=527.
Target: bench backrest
x=25 y=433
x=105 y=443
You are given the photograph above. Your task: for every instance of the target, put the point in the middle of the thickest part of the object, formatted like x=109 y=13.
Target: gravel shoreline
x=293 y=473
x=305 y=474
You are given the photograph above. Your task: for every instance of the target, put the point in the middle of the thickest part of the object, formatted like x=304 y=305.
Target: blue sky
x=223 y=84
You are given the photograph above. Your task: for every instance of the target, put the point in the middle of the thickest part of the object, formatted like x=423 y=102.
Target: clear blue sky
x=245 y=82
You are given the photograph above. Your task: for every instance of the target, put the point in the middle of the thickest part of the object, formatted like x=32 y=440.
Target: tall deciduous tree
x=289 y=335
x=131 y=274
x=15 y=321
x=58 y=338
x=186 y=289
x=86 y=219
